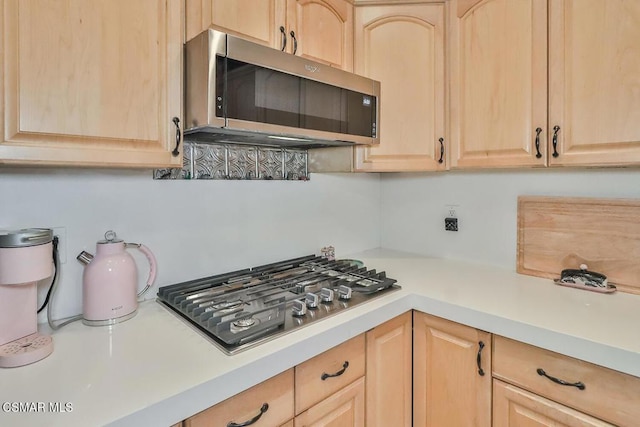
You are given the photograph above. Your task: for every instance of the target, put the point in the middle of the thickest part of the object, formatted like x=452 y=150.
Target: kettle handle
x=152 y=264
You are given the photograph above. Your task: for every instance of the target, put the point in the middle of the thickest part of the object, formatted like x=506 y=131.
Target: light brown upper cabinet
x=594 y=81
x=91 y=82
x=321 y=30
x=501 y=115
x=402 y=46
x=498 y=63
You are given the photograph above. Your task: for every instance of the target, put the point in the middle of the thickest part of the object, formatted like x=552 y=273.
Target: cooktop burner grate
x=240 y=309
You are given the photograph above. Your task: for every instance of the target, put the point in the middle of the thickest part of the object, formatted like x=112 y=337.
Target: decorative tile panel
x=270 y=163
x=241 y=162
x=209 y=161
x=295 y=165
x=229 y=161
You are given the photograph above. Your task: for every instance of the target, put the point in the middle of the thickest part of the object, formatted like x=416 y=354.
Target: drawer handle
x=479 y=358
x=265 y=408
x=578 y=385
x=324 y=376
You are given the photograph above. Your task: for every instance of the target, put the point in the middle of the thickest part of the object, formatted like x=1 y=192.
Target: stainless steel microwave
x=241 y=92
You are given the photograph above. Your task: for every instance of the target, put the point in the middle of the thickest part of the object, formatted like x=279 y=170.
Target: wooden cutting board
x=555 y=233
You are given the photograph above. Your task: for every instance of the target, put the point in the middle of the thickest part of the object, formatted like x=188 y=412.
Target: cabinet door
x=256 y=20
x=323 y=31
x=402 y=46
x=594 y=81
x=344 y=408
x=498 y=82
x=514 y=407
x=388 y=377
x=89 y=82
x=448 y=389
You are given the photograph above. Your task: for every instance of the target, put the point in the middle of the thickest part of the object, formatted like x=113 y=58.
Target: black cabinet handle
x=479 y=358
x=265 y=408
x=176 y=152
x=578 y=385
x=538 y=155
x=556 y=129
x=441 y=140
x=324 y=376
x=295 y=42
x=284 y=39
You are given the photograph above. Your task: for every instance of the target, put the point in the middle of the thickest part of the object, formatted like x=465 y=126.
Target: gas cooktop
x=244 y=308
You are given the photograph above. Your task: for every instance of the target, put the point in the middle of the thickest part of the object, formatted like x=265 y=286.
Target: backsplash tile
x=227 y=161
x=209 y=161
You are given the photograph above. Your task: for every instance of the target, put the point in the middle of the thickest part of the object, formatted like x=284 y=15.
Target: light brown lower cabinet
x=421 y=370
x=344 y=408
x=590 y=389
x=389 y=373
x=451 y=373
x=514 y=407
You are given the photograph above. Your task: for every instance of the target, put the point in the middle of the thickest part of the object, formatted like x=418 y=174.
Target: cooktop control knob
x=299 y=308
x=311 y=300
x=326 y=295
x=344 y=292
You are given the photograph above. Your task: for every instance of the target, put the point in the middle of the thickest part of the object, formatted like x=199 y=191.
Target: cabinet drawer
x=344 y=408
x=513 y=406
x=277 y=392
x=312 y=381
x=609 y=395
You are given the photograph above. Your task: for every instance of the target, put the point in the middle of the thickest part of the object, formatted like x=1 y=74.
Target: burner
x=244 y=323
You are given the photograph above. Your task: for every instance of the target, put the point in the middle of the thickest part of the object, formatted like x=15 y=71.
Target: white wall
x=195 y=228
x=414 y=207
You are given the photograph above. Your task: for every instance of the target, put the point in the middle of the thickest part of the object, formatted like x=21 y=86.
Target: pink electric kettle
x=110 y=281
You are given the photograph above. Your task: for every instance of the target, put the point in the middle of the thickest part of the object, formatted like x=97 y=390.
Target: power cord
x=55 y=273
x=52 y=290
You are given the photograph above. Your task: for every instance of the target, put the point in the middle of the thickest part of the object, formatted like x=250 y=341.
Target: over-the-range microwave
x=238 y=91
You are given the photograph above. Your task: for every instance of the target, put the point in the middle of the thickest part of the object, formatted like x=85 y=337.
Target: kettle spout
x=84 y=257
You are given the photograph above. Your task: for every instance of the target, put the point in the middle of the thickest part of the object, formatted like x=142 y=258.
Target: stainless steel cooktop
x=244 y=308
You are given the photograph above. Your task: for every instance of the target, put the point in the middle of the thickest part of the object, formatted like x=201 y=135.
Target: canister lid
x=25 y=237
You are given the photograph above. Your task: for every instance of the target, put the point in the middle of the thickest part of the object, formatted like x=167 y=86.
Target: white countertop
x=156 y=370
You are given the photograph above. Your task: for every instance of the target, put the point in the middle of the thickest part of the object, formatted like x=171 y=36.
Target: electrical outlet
x=451 y=211
x=61 y=232
x=451 y=224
